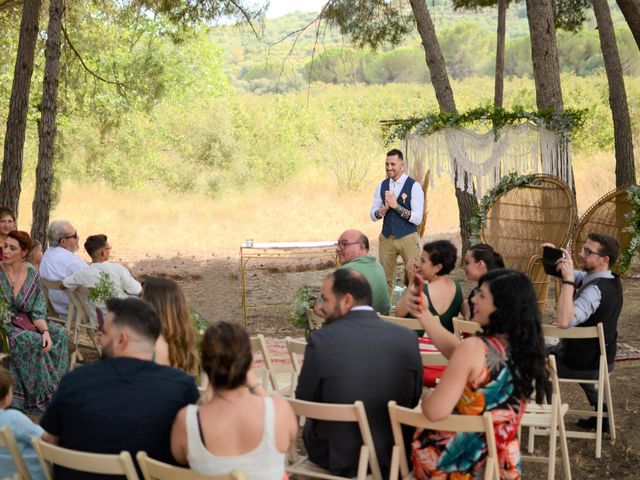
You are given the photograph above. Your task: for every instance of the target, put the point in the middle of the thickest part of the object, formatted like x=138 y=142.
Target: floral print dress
x=448 y=455
x=36 y=375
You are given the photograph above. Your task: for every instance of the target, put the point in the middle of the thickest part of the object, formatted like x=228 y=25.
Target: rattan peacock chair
x=523 y=218
x=608 y=215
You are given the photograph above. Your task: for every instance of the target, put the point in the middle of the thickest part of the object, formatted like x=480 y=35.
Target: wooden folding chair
x=8 y=441
x=156 y=470
x=461 y=326
x=82 y=322
x=410 y=323
x=296 y=350
x=453 y=423
x=602 y=382
x=335 y=413
x=433 y=359
x=270 y=371
x=550 y=419
x=77 y=318
x=116 y=464
x=52 y=315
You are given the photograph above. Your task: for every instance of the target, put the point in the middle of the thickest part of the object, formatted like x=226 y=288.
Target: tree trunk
x=544 y=54
x=47 y=128
x=433 y=54
x=631 y=11
x=18 y=107
x=444 y=95
x=623 y=138
x=546 y=68
x=500 y=46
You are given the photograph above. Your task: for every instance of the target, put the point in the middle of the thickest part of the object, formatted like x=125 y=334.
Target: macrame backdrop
x=523 y=148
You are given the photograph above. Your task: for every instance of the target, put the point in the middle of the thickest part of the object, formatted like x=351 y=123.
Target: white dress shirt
x=124 y=284
x=417 y=198
x=57 y=264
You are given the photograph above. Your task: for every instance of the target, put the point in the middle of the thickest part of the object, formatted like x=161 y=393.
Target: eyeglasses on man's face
x=74 y=236
x=342 y=244
x=587 y=251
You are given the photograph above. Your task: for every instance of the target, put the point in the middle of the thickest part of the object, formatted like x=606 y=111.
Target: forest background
x=211 y=134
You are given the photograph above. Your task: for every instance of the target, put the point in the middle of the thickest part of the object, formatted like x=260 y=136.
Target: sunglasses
x=74 y=236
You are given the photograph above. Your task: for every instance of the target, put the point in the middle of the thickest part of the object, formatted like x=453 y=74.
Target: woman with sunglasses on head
x=479 y=259
x=39 y=349
x=497 y=370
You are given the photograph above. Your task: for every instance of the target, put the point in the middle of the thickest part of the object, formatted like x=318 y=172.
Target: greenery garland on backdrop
x=563 y=123
x=517 y=140
x=506 y=183
x=627 y=254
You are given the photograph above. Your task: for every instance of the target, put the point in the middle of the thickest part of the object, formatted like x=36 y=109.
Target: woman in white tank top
x=240 y=427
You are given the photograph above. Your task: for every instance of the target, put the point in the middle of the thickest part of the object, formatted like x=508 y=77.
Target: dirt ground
x=212 y=287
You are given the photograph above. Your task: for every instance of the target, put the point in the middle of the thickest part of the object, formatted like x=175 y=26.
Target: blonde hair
x=167 y=298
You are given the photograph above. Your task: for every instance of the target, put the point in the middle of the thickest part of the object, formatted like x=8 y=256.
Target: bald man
x=352 y=249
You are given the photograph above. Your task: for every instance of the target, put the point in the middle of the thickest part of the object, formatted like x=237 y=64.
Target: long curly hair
x=167 y=298
x=518 y=317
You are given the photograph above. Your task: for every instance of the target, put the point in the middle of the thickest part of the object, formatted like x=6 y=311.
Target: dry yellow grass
x=308 y=208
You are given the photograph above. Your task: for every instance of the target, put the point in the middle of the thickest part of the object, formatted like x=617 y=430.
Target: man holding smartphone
x=399 y=202
x=587 y=298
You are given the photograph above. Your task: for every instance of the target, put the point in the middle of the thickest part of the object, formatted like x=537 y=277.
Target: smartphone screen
x=549 y=257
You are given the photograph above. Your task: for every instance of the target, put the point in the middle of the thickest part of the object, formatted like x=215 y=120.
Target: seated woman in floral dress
x=496 y=370
x=39 y=349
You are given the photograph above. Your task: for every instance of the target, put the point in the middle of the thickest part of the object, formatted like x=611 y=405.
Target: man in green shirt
x=353 y=252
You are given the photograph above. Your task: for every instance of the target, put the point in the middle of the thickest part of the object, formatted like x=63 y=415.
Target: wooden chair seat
x=602 y=383
x=116 y=464
x=156 y=470
x=453 y=423
x=300 y=465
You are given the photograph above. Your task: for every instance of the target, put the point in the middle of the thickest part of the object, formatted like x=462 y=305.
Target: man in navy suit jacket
x=356 y=356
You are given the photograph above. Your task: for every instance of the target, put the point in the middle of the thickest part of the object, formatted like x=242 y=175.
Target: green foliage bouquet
x=303 y=301
x=102 y=291
x=5 y=313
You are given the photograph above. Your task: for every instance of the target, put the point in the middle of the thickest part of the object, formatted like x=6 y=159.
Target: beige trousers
x=407 y=247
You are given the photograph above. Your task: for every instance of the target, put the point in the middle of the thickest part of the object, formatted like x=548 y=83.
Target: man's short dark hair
x=364 y=240
x=609 y=246
x=347 y=280
x=136 y=314
x=95 y=243
x=395 y=152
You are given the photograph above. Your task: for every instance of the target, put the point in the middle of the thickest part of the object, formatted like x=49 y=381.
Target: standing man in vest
x=587 y=298
x=399 y=203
